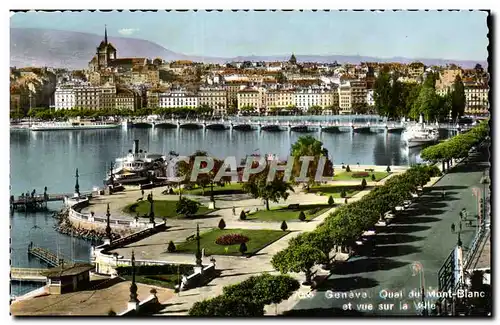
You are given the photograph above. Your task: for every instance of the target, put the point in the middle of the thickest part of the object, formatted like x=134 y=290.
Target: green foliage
x=224 y=306
x=330 y=200
x=297 y=258
x=373 y=177
x=363 y=184
x=348 y=169
x=259 y=187
x=171 y=247
x=284 y=226
x=388 y=169
x=309 y=146
x=187 y=207
x=155 y=269
x=458 y=146
x=266 y=289
x=302 y=216
x=243 y=215
x=343 y=194
x=382 y=93
x=222 y=224
x=458 y=98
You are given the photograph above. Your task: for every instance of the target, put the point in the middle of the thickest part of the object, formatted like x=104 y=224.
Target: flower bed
x=231 y=239
x=360 y=174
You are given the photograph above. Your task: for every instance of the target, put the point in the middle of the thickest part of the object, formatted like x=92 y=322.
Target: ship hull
x=76 y=127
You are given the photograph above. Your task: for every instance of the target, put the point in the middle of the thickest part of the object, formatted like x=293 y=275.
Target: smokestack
x=136 y=147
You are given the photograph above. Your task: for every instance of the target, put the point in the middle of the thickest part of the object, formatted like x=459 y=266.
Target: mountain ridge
x=73 y=50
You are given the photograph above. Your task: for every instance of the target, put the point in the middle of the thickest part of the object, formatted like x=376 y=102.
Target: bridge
x=332 y=126
x=20 y=274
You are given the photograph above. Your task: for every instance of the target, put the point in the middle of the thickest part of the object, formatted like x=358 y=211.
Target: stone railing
x=76 y=215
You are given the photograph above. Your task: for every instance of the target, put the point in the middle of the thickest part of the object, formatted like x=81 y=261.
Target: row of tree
x=396 y=99
x=343 y=227
x=247 y=298
x=458 y=146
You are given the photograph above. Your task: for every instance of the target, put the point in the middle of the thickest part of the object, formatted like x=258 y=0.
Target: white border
x=186 y=4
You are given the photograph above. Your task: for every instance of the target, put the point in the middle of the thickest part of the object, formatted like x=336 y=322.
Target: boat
x=137 y=167
x=73 y=125
x=420 y=134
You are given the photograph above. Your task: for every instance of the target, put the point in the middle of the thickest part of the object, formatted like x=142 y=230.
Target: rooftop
x=68 y=270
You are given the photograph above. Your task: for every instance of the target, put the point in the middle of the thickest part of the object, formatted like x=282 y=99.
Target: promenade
x=408 y=254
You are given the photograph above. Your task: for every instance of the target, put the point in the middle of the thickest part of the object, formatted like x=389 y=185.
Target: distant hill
x=73 y=50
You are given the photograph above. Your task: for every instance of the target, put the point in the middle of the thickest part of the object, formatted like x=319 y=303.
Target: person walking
x=452 y=227
x=234 y=211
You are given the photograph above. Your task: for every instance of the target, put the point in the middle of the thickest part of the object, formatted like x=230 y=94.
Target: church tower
x=106 y=52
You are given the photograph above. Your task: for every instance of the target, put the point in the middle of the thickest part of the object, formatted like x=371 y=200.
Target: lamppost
x=77 y=185
x=482 y=217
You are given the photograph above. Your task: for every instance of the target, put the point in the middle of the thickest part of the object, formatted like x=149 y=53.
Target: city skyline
x=390 y=34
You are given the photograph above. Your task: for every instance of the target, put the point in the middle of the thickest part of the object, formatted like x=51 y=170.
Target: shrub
x=313 y=211
x=348 y=169
x=284 y=226
x=222 y=224
x=360 y=174
x=171 y=247
x=186 y=207
x=302 y=216
x=243 y=215
x=373 y=177
x=330 y=200
x=228 y=307
x=171 y=191
x=155 y=269
x=231 y=239
x=343 y=194
x=363 y=183
x=388 y=169
x=243 y=248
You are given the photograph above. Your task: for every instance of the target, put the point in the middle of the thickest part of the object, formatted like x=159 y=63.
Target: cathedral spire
x=105 y=35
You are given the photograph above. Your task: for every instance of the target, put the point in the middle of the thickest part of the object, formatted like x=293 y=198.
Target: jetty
x=20 y=274
x=44 y=255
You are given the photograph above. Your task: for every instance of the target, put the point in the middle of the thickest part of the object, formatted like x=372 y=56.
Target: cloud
x=127 y=31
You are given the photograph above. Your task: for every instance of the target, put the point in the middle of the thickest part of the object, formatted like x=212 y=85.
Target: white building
x=370 y=101
x=178 y=98
x=64 y=98
x=305 y=99
x=476 y=99
x=345 y=99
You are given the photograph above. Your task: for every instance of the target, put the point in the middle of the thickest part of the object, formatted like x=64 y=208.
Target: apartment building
x=446 y=79
x=232 y=90
x=280 y=98
x=65 y=98
x=476 y=99
x=304 y=99
x=127 y=99
x=416 y=70
x=250 y=97
x=214 y=98
x=358 y=92
x=345 y=103
x=177 y=98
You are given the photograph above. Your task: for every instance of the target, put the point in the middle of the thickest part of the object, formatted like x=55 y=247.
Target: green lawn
x=345 y=176
x=162 y=208
x=160 y=280
x=283 y=213
x=258 y=239
x=232 y=188
x=335 y=191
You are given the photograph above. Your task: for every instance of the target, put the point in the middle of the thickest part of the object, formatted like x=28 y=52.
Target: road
x=407 y=254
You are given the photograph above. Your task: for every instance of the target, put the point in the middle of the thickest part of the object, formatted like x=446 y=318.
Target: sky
x=459 y=35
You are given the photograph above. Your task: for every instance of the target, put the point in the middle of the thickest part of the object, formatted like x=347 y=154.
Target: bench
x=293 y=206
x=369 y=170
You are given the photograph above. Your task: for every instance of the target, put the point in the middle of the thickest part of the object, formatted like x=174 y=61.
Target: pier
x=44 y=255
x=20 y=274
x=32 y=202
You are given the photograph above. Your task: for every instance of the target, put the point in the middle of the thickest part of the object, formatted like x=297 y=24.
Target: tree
x=363 y=184
x=382 y=93
x=426 y=103
x=222 y=224
x=348 y=169
x=171 y=247
x=243 y=215
x=224 y=306
x=314 y=110
x=343 y=193
x=243 y=248
x=298 y=258
x=388 y=169
x=331 y=201
x=266 y=289
x=302 y=216
x=186 y=207
x=309 y=146
x=259 y=187
x=284 y=226
x=373 y=178
x=458 y=98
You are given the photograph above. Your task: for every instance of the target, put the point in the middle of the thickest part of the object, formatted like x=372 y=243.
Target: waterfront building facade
x=177 y=98
x=215 y=98
x=476 y=99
